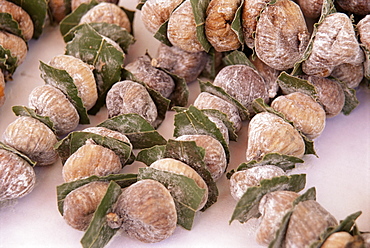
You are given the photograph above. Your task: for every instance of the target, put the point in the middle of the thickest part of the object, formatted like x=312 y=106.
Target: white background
x=341 y=174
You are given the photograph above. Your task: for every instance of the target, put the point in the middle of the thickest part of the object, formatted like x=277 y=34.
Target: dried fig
x=220 y=14
x=363 y=28
x=33 y=138
x=156 y=12
x=17 y=46
x=17 y=176
x=221 y=126
x=350 y=74
x=335 y=43
x=214 y=158
x=268 y=133
x=51 y=102
x=2 y=88
x=178 y=167
x=91 y=159
x=58 y=9
x=148 y=211
x=130 y=97
x=154 y=78
x=80 y=204
x=310 y=8
x=308 y=221
x=187 y=65
x=359 y=7
x=338 y=240
x=108 y=13
x=243 y=83
x=273 y=207
x=307 y=115
x=181 y=30
x=250 y=13
x=240 y=181
x=82 y=76
x=76 y=3
x=108 y=133
x=281 y=35
x=208 y=101
x=330 y=94
x=20 y=15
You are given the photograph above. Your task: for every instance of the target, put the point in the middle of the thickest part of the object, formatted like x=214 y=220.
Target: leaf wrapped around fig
x=8 y=62
x=8 y=24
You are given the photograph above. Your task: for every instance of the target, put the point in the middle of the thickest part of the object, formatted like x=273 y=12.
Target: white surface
x=341 y=174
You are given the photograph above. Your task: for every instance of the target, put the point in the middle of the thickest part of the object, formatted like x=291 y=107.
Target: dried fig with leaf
x=220 y=14
x=49 y=101
x=33 y=138
x=17 y=46
x=281 y=35
x=148 y=211
x=17 y=176
x=268 y=133
x=351 y=74
x=337 y=240
x=76 y=3
x=310 y=8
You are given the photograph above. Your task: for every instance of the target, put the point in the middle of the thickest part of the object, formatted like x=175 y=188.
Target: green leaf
x=194 y=121
x=351 y=102
x=223 y=117
x=99 y=233
x=310 y=194
x=161 y=34
x=151 y=154
x=186 y=193
x=191 y=154
x=124 y=180
x=140 y=4
x=285 y=162
x=290 y=84
x=73 y=19
x=37 y=10
x=114 y=32
x=237 y=58
x=93 y=49
x=180 y=95
x=25 y=111
x=8 y=63
x=23 y=156
x=140 y=133
x=161 y=102
x=218 y=91
x=199 y=11
x=247 y=206
x=10 y=25
x=236 y=24
x=70 y=144
x=63 y=81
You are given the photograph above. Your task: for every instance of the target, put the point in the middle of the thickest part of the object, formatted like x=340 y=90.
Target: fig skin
x=17 y=46
x=310 y=8
x=358 y=7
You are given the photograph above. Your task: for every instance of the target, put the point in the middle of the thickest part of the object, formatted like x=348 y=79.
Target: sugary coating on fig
x=310 y=8
x=181 y=30
x=127 y=97
x=307 y=115
x=58 y=9
x=240 y=181
x=250 y=11
x=243 y=83
x=220 y=14
x=17 y=46
x=91 y=159
x=269 y=75
x=108 y=13
x=214 y=158
x=335 y=43
x=308 y=221
x=156 y=12
x=363 y=28
x=20 y=15
x=330 y=94
x=82 y=76
x=337 y=240
x=148 y=211
x=206 y=100
x=221 y=126
x=103 y=131
x=49 y=101
x=155 y=78
x=273 y=206
x=17 y=177
x=359 y=7
x=281 y=35
x=268 y=133
x=76 y=3
x=33 y=138
x=180 y=168
x=350 y=74
x=187 y=65
x=2 y=88
x=80 y=204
